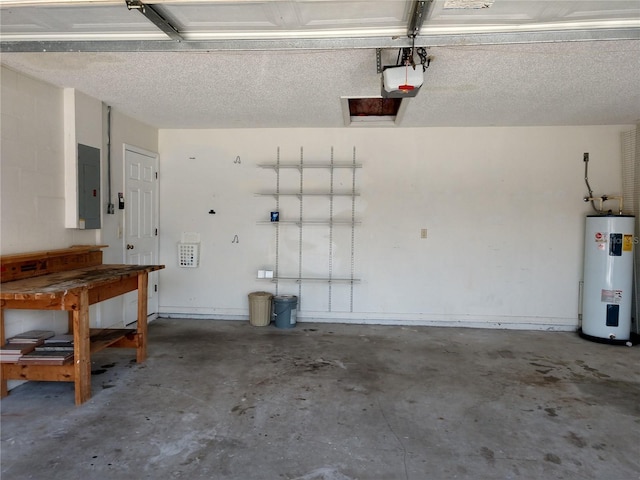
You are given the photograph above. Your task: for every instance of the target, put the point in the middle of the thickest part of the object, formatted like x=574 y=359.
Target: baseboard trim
x=400 y=319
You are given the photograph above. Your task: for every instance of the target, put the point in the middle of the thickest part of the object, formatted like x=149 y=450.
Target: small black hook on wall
x=212 y=212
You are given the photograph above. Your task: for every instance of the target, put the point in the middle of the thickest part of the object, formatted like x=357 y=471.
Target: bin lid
x=286 y=298
x=260 y=294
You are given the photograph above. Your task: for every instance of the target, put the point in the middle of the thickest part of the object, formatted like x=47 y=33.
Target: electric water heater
x=608 y=278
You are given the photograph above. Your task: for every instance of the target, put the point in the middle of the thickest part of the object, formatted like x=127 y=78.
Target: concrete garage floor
x=225 y=400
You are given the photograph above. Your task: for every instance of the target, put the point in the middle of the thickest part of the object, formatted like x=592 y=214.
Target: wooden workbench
x=72 y=279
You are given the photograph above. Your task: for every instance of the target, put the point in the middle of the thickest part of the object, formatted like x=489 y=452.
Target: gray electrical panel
x=88 y=187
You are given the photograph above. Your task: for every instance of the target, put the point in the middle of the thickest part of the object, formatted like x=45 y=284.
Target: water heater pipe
x=603 y=199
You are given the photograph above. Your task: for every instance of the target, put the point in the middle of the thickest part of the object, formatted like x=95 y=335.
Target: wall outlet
x=423 y=233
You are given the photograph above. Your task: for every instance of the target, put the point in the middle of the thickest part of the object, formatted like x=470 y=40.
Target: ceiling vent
x=372 y=111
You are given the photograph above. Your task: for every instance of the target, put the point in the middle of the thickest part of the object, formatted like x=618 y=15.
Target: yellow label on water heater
x=627 y=243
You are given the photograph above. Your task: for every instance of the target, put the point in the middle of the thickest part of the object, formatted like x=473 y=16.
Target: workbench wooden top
x=60 y=283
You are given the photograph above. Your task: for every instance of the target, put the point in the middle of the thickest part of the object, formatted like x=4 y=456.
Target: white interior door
x=141 y=223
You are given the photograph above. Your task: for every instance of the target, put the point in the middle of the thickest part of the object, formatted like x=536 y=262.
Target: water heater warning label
x=627 y=243
x=611 y=296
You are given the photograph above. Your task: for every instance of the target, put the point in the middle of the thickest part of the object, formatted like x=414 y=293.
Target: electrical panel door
x=88 y=187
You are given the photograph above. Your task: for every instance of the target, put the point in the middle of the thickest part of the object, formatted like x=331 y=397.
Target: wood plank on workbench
x=50 y=253
x=34 y=264
x=58 y=284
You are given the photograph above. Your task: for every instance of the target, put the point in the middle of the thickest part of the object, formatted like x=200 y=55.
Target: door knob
x=130 y=247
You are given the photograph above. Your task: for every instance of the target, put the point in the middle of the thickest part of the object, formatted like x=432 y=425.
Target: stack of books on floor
x=23 y=344
x=55 y=350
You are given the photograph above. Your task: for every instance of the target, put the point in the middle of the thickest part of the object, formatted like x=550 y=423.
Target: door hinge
x=156 y=233
x=155 y=288
x=156 y=175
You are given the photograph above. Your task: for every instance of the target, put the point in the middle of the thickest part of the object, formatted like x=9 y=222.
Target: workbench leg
x=143 y=282
x=3 y=383
x=82 y=348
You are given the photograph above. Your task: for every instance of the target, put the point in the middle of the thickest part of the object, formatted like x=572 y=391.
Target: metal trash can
x=285 y=310
x=260 y=308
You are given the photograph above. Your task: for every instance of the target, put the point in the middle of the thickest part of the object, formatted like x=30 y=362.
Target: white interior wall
x=503 y=208
x=32 y=171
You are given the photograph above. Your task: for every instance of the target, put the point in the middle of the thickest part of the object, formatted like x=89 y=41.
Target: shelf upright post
x=277 y=210
x=331 y=230
x=300 y=227
x=353 y=224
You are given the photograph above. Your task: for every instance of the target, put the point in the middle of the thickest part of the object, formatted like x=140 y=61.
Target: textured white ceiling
x=554 y=83
x=575 y=83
